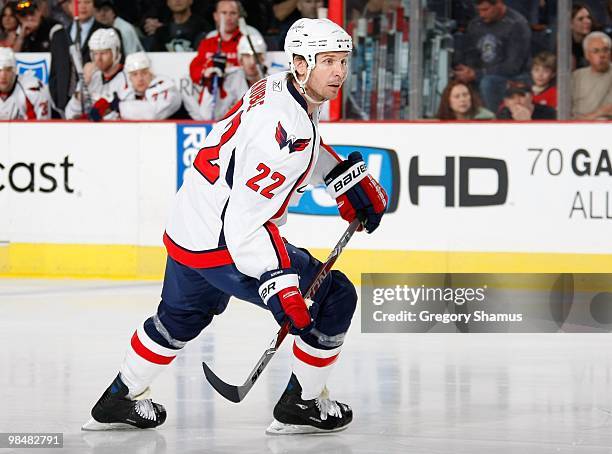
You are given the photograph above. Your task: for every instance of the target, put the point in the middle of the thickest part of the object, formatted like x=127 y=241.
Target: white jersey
x=100 y=87
x=200 y=103
x=28 y=100
x=255 y=162
x=159 y=101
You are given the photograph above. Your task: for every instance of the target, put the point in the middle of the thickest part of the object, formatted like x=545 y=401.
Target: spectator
x=543 y=72
x=519 y=106
x=62 y=12
x=498 y=49
x=287 y=12
x=460 y=102
x=226 y=15
x=33 y=31
x=22 y=97
x=183 y=32
x=208 y=102
x=582 y=25
x=106 y=86
x=62 y=76
x=592 y=86
x=106 y=14
x=8 y=26
x=150 y=97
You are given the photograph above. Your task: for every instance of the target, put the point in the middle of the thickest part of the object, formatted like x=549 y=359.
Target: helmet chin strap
x=302 y=85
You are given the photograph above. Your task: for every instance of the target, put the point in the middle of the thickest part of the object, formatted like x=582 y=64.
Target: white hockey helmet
x=259 y=44
x=105 y=39
x=7 y=58
x=136 y=61
x=309 y=37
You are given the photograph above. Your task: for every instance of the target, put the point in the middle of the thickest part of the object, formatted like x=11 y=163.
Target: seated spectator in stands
x=582 y=25
x=519 y=106
x=22 y=97
x=150 y=97
x=226 y=15
x=62 y=12
x=62 y=76
x=106 y=14
x=543 y=72
x=498 y=50
x=106 y=86
x=287 y=12
x=183 y=32
x=8 y=25
x=460 y=102
x=210 y=102
x=592 y=86
x=33 y=31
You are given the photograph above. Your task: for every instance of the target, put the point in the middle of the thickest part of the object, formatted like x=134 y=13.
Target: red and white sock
x=312 y=367
x=143 y=361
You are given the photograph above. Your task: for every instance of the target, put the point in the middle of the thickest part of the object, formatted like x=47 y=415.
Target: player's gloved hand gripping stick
x=237 y=393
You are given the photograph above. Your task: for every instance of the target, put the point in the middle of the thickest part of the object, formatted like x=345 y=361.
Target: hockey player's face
x=7 y=75
x=328 y=75
x=141 y=79
x=103 y=59
x=249 y=65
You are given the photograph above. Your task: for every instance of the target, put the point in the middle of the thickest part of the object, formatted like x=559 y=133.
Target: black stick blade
x=230 y=392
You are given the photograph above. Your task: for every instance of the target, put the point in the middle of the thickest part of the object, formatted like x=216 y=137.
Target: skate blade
x=93 y=425
x=279 y=428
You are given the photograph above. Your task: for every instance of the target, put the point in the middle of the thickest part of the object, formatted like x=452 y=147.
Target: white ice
x=63 y=340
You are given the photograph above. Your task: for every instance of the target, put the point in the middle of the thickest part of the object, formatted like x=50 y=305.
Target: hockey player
x=222 y=239
x=150 y=97
x=108 y=84
x=202 y=103
x=22 y=97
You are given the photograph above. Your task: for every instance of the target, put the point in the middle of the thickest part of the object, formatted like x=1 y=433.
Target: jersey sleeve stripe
x=197 y=259
x=278 y=245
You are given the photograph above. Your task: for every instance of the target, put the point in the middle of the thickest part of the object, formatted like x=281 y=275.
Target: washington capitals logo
x=292 y=142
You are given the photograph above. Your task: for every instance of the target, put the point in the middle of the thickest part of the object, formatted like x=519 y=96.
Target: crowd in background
x=504 y=62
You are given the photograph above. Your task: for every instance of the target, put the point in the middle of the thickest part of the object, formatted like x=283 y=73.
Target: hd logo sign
x=382 y=164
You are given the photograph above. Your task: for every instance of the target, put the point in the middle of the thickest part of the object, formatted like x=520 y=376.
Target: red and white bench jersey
x=100 y=87
x=255 y=162
x=28 y=100
x=160 y=101
x=202 y=105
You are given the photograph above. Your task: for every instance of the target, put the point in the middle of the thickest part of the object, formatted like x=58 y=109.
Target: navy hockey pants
x=192 y=297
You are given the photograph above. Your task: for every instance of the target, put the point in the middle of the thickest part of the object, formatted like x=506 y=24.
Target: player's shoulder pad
x=161 y=83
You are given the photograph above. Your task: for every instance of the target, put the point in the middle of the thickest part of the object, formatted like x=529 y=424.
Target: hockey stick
x=242 y=25
x=237 y=393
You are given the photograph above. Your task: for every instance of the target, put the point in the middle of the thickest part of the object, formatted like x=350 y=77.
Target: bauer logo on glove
x=357 y=194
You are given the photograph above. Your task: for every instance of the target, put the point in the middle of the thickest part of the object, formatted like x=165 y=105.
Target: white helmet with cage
x=7 y=58
x=309 y=37
x=105 y=39
x=136 y=61
x=259 y=44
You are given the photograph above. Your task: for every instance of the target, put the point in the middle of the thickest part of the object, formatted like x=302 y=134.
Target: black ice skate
x=115 y=411
x=292 y=415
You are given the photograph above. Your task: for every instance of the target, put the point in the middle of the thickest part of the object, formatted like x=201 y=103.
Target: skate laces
x=326 y=406
x=145 y=409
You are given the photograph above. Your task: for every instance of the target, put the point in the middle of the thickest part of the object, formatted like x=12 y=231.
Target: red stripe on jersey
x=279 y=245
x=30 y=114
x=331 y=151
x=147 y=354
x=313 y=360
x=200 y=259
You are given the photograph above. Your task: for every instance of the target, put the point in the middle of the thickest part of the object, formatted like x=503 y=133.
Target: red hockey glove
x=357 y=194
x=279 y=290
